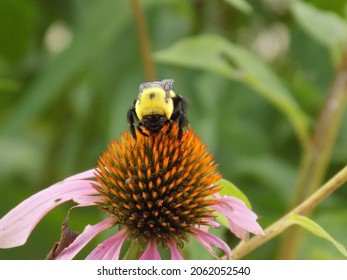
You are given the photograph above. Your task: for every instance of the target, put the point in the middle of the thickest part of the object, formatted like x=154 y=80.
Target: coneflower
x=157 y=190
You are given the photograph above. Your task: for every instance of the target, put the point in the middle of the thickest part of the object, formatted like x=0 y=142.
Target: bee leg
x=131 y=121
x=180 y=114
x=141 y=131
x=167 y=131
x=182 y=122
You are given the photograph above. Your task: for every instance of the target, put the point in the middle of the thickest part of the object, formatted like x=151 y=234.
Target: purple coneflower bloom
x=158 y=190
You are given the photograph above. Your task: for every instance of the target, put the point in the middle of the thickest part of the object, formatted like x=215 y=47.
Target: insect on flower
x=156 y=106
x=157 y=190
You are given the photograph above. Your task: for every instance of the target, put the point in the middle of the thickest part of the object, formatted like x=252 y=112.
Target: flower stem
x=134 y=251
x=245 y=247
x=317 y=154
x=144 y=41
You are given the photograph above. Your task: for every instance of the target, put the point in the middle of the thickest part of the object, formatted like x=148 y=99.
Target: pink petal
x=82 y=240
x=241 y=219
x=151 y=252
x=175 y=253
x=212 y=223
x=88 y=200
x=208 y=240
x=110 y=248
x=89 y=174
x=16 y=226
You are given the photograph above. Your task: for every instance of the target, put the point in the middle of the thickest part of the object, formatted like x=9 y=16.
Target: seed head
x=158 y=187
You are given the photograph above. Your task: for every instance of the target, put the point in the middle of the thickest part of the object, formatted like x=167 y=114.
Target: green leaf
x=99 y=20
x=241 y=5
x=215 y=54
x=19 y=22
x=230 y=189
x=325 y=27
x=317 y=230
x=8 y=85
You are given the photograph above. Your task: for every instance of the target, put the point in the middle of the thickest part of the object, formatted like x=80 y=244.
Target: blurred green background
x=255 y=73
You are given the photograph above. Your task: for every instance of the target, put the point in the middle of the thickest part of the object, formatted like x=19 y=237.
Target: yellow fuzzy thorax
x=154 y=101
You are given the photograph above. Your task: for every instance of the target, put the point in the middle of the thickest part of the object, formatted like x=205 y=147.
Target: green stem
x=317 y=154
x=135 y=250
x=144 y=41
x=304 y=208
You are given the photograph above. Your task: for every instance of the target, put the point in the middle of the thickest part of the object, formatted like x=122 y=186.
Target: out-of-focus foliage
x=255 y=73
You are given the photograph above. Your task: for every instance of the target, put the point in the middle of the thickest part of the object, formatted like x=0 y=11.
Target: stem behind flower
x=317 y=154
x=145 y=48
x=305 y=207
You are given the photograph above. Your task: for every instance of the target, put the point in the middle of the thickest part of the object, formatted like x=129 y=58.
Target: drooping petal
x=175 y=253
x=88 y=200
x=241 y=219
x=83 y=239
x=208 y=240
x=110 y=248
x=89 y=174
x=16 y=226
x=151 y=252
x=212 y=223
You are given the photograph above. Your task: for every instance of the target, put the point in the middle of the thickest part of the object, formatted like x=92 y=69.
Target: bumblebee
x=157 y=105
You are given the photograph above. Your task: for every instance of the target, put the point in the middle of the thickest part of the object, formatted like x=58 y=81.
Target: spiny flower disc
x=158 y=187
